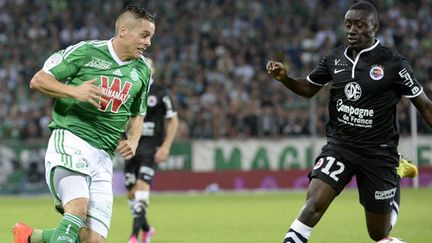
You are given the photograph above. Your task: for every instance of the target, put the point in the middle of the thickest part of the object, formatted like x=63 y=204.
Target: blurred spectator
x=212 y=56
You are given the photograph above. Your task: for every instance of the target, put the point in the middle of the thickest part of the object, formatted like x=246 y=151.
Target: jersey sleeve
x=139 y=104
x=320 y=75
x=406 y=82
x=170 y=109
x=66 y=63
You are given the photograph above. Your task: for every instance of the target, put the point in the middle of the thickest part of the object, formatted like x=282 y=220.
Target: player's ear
x=376 y=26
x=122 y=30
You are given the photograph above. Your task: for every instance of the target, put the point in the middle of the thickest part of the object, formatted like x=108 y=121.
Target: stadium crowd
x=211 y=55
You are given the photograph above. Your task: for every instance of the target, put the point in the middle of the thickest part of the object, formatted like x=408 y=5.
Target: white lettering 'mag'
x=351 y=110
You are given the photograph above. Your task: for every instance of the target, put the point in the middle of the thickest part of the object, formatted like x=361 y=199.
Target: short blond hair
x=130 y=15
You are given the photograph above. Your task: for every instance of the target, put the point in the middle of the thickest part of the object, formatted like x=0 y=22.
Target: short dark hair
x=140 y=13
x=368 y=7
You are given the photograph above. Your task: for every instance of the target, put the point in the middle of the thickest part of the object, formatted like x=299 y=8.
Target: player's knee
x=78 y=206
x=377 y=235
x=143 y=197
x=90 y=236
x=377 y=232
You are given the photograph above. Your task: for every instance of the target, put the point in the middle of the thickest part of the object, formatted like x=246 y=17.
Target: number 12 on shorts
x=330 y=166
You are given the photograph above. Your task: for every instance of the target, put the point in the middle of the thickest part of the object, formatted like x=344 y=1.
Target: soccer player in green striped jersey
x=101 y=90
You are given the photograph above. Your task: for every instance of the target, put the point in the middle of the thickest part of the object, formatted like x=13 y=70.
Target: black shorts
x=375 y=172
x=141 y=166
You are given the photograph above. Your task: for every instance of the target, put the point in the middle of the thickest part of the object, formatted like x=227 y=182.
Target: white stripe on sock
x=301 y=228
x=292 y=235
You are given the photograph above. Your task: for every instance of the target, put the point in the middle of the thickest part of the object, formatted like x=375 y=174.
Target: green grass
x=234 y=217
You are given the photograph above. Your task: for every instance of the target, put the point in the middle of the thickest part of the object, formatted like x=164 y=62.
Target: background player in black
x=368 y=82
x=154 y=147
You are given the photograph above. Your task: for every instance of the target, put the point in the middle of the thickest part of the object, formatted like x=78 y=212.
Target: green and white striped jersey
x=124 y=84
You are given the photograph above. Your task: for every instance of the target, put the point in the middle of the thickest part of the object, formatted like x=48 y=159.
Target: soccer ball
x=391 y=240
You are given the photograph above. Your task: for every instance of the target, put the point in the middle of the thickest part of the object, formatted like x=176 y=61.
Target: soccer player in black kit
x=368 y=80
x=160 y=128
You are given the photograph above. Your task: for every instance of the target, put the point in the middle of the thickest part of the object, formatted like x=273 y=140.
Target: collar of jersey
x=114 y=55
x=377 y=42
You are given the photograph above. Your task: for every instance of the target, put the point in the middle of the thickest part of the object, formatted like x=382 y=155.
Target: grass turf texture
x=234 y=217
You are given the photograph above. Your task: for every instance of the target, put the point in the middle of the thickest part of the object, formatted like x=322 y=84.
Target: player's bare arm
x=162 y=152
x=50 y=86
x=127 y=147
x=424 y=106
x=298 y=85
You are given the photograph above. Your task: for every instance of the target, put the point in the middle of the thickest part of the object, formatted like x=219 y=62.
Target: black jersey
x=159 y=107
x=364 y=94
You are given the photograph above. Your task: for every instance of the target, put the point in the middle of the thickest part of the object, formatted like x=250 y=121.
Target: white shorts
x=76 y=155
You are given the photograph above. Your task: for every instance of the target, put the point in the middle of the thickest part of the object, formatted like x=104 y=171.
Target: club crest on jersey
x=376 y=72
x=353 y=91
x=134 y=75
x=151 y=101
x=115 y=94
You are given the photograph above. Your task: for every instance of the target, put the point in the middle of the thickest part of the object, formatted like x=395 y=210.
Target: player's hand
x=277 y=70
x=126 y=149
x=89 y=92
x=161 y=154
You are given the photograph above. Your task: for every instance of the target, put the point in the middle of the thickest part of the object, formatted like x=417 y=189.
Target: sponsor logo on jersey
x=376 y=72
x=53 y=61
x=353 y=91
x=118 y=72
x=354 y=116
x=151 y=101
x=382 y=195
x=115 y=94
x=134 y=75
x=98 y=63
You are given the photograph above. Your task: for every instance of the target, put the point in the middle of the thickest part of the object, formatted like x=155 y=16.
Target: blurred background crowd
x=210 y=54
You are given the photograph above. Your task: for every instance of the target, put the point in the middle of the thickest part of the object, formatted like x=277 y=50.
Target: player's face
x=360 y=29
x=138 y=39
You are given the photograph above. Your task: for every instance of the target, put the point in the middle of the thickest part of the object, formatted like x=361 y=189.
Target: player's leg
x=378 y=225
x=378 y=185
x=319 y=197
x=72 y=190
x=139 y=172
x=143 y=185
x=328 y=178
x=139 y=197
x=101 y=200
x=75 y=210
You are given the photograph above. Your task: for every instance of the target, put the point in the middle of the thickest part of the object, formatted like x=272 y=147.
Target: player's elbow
x=36 y=81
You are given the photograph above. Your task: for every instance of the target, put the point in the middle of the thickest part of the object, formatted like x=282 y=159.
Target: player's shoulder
x=386 y=51
x=143 y=64
x=157 y=87
x=97 y=43
x=84 y=46
x=337 y=52
x=389 y=54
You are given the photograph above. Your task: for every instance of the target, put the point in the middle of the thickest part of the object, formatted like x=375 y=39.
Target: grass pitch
x=234 y=217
